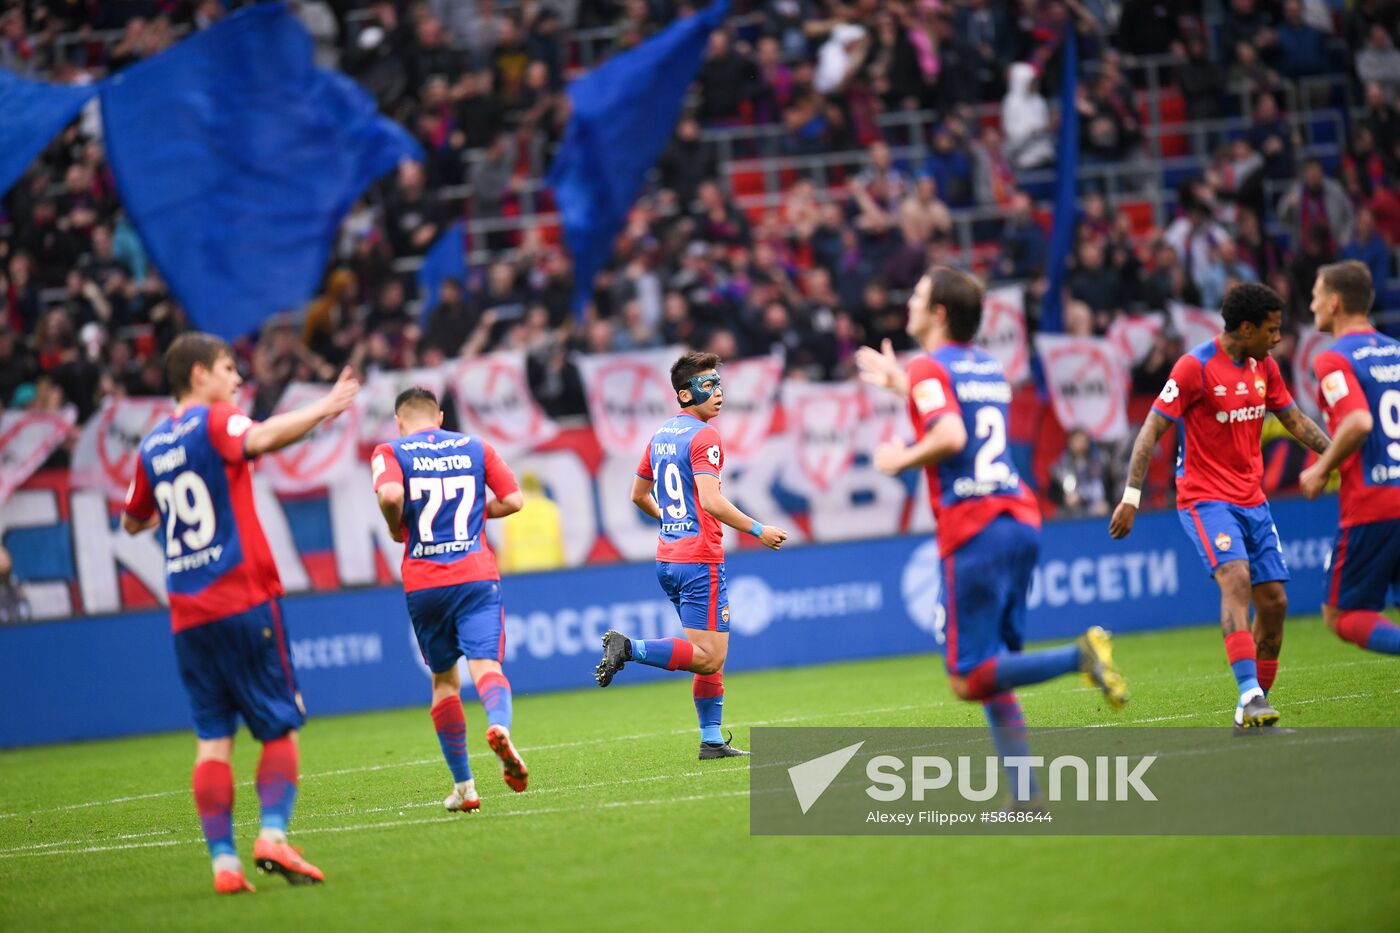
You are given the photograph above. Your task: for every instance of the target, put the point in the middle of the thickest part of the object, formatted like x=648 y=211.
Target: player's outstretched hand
x=773 y=537
x=343 y=393
x=889 y=457
x=1122 y=522
x=880 y=367
x=1313 y=481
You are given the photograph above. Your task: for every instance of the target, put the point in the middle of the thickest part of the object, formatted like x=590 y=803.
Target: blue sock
x=709 y=706
x=1246 y=675
x=1009 y=736
x=1019 y=670
x=451 y=725
x=1385 y=639
x=494 y=691
x=668 y=653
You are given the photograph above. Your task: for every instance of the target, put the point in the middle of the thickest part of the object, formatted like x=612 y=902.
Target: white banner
x=1003 y=331
x=750 y=400
x=1135 y=334
x=1088 y=384
x=494 y=401
x=321 y=459
x=823 y=420
x=629 y=396
x=1195 y=325
x=377 y=395
x=26 y=440
x=106 y=453
x=1311 y=343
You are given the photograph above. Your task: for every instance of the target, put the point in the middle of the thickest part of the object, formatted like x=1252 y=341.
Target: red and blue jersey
x=1361 y=372
x=971 y=488
x=679 y=450
x=1219 y=406
x=194 y=471
x=445 y=476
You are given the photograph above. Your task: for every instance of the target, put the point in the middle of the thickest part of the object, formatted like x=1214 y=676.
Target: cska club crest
x=1223 y=542
x=1259 y=386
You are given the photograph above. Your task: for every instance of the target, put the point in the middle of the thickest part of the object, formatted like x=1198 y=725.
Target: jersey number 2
x=991 y=430
x=437 y=490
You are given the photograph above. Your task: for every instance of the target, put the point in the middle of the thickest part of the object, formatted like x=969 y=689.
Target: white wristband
x=1132 y=496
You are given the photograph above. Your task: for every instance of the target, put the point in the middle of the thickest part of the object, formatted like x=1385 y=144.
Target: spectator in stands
x=840 y=57
x=994 y=180
x=927 y=217
x=1379 y=62
x=1363 y=160
x=1193 y=235
x=450 y=324
x=1382 y=116
x=1254 y=248
x=1302 y=48
x=1168 y=280
x=1368 y=246
x=1096 y=284
x=1200 y=78
x=894 y=69
x=1025 y=121
x=1225 y=269
x=893 y=183
x=1023 y=242
x=687 y=161
x=1245 y=26
x=1079 y=479
x=1316 y=202
x=1109 y=129
x=477 y=113
x=17 y=365
x=950 y=164
x=1273 y=137
x=724 y=79
x=986 y=30
x=412 y=214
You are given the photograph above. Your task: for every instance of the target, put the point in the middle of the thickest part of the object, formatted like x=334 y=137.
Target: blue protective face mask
x=699 y=395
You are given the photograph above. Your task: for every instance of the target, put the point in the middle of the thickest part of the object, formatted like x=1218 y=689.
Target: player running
x=194 y=479
x=988 y=521
x=1218 y=395
x=678 y=484
x=1359 y=391
x=449 y=574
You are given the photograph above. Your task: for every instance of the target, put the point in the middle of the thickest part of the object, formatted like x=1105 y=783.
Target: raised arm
x=289 y=427
x=1304 y=429
x=881 y=369
x=1143 y=448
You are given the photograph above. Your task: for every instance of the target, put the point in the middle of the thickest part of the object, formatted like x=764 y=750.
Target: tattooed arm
x=1143 y=448
x=1303 y=428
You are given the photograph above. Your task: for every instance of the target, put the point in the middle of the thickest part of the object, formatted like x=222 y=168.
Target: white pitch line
x=360 y=769
x=384 y=824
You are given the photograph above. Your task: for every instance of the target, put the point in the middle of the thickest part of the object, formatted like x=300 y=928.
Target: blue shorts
x=1365 y=566
x=984 y=593
x=1224 y=532
x=241 y=666
x=698 y=592
x=465 y=620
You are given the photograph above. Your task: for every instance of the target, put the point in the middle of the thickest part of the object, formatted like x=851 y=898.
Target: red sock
x=682 y=654
x=1357 y=625
x=1268 y=670
x=1239 y=646
x=706 y=686
x=213 y=799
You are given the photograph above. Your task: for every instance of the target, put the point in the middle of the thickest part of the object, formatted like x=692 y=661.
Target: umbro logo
x=1220 y=390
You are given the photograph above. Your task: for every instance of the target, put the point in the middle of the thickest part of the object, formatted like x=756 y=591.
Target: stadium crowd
x=86 y=314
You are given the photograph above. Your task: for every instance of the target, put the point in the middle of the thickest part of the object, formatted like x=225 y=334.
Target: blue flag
x=1062 y=232
x=623 y=113
x=31 y=114
x=237 y=159
x=446 y=260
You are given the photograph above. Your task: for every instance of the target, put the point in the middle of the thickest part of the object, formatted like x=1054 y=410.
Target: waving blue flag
x=622 y=116
x=237 y=159
x=1066 y=171
x=31 y=114
x=446 y=260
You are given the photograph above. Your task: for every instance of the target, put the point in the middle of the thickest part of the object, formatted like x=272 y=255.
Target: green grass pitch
x=623 y=829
